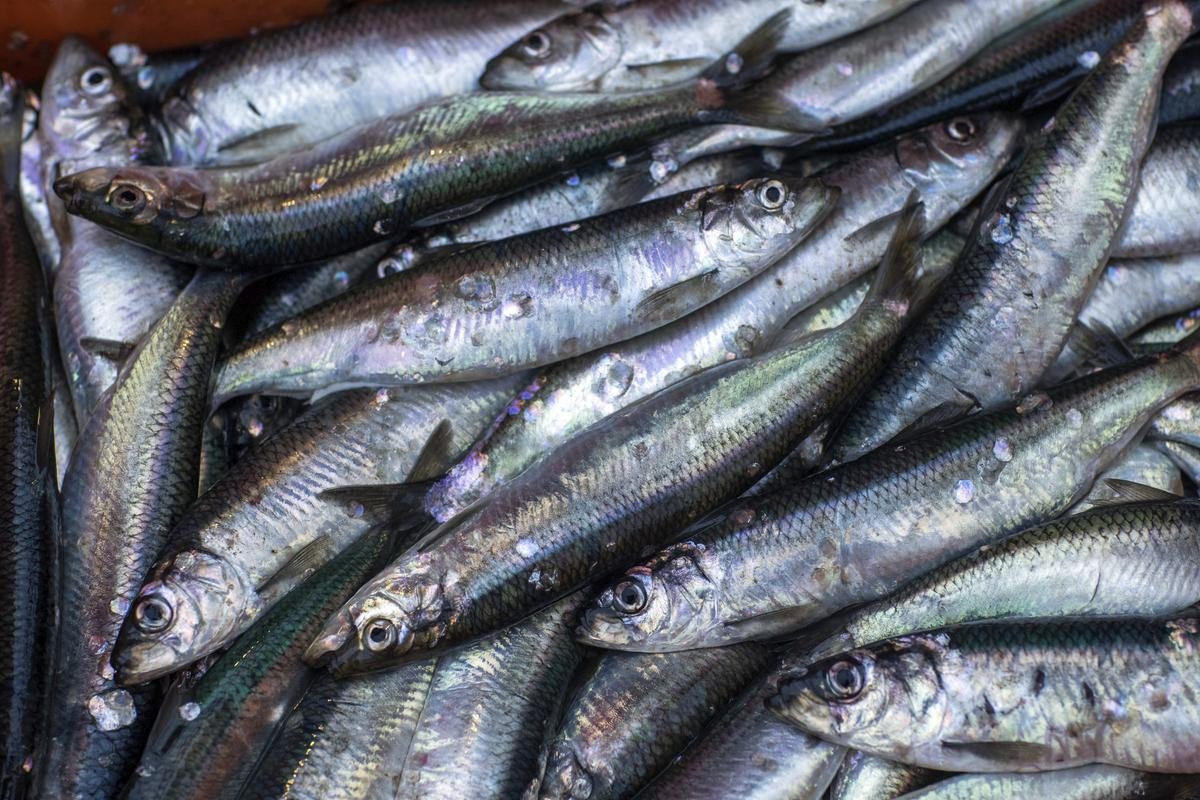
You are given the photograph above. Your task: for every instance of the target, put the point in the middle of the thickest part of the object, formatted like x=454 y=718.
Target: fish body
x=132 y=474
x=1002 y=318
x=1011 y=698
x=1143 y=465
x=773 y=563
x=504 y=306
x=1181 y=88
x=865 y=777
x=1092 y=782
x=1162 y=220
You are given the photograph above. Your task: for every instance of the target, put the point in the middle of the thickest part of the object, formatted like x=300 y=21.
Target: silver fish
x=1162 y=220
x=1143 y=465
x=866 y=777
x=1093 y=782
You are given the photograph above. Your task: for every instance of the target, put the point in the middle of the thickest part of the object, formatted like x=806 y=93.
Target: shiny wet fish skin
x=768 y=565
x=1001 y=319
x=526 y=301
x=948 y=163
x=651 y=468
x=1162 y=219
x=866 y=777
x=1092 y=782
x=1003 y=698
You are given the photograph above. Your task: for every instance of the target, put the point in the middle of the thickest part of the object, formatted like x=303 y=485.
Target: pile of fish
x=518 y=398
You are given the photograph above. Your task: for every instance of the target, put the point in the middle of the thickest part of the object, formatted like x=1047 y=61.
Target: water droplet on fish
x=1150 y=11
x=119 y=606
x=574 y=226
x=112 y=710
x=1088 y=59
x=734 y=63
x=318 y=183
x=106 y=670
x=517 y=306
x=27 y=764
x=478 y=290
x=573 y=179
x=145 y=77
x=617 y=161
x=381 y=397
x=254 y=427
x=389 y=195
x=383 y=227
x=189 y=711
x=1002 y=450
x=526 y=548
x=144 y=770
x=661 y=170
x=341 y=279
x=1075 y=418
x=388 y=266
x=844 y=68
x=1002 y=232
x=964 y=492
x=358 y=511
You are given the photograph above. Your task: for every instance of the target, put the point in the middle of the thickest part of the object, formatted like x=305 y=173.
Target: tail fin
x=717 y=91
x=900 y=282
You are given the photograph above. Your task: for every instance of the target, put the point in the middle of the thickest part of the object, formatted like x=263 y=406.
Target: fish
x=346 y=738
x=1000 y=321
x=1178 y=422
x=151 y=76
x=132 y=474
x=108 y=293
x=1011 y=698
x=1181 y=88
x=844 y=80
x=208 y=736
x=1116 y=560
x=1031 y=65
x=866 y=777
x=1142 y=465
x=1162 y=219
x=490 y=711
x=27 y=476
x=1165 y=332
x=768 y=565
x=523 y=302
x=623 y=47
x=948 y=163
x=33 y=190
x=1130 y=295
x=1185 y=457
x=751 y=754
x=1091 y=782
x=632 y=713
x=249 y=539
x=290 y=88
x=619 y=487
x=440 y=162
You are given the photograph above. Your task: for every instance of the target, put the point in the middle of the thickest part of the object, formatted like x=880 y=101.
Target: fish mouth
x=603 y=628
x=336 y=637
x=67 y=188
x=143 y=662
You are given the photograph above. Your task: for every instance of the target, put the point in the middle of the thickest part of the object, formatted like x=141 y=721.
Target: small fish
x=1092 y=782
x=1143 y=465
x=1162 y=218
x=866 y=777
x=1011 y=698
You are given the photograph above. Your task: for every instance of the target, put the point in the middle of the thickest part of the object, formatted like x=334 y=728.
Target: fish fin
x=434 y=456
x=1011 y=752
x=451 y=214
x=631 y=184
x=45 y=433
x=1099 y=345
x=753 y=55
x=1132 y=492
x=168 y=724
x=876 y=227
x=382 y=502
x=1052 y=90
x=823 y=639
x=109 y=348
x=945 y=412
x=307 y=557
x=423 y=255
x=674 y=301
x=900 y=282
x=771 y=625
x=260 y=146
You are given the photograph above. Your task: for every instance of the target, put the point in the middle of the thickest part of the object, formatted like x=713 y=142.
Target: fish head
x=956 y=158
x=193 y=604
x=756 y=222
x=147 y=204
x=870 y=698
x=86 y=108
x=573 y=52
x=566 y=776
x=397 y=617
x=662 y=605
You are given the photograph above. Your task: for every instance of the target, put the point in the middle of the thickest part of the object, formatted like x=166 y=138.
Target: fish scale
x=1162 y=220
x=770 y=564
x=1001 y=319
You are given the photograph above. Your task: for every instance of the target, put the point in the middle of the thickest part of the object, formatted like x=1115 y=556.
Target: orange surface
x=31 y=29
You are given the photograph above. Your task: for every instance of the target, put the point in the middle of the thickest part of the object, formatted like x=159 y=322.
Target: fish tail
x=718 y=90
x=900 y=282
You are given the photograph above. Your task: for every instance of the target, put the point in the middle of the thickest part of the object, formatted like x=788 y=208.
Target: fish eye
x=380 y=635
x=771 y=195
x=95 y=80
x=629 y=597
x=845 y=680
x=536 y=44
x=152 y=614
x=961 y=129
x=127 y=198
